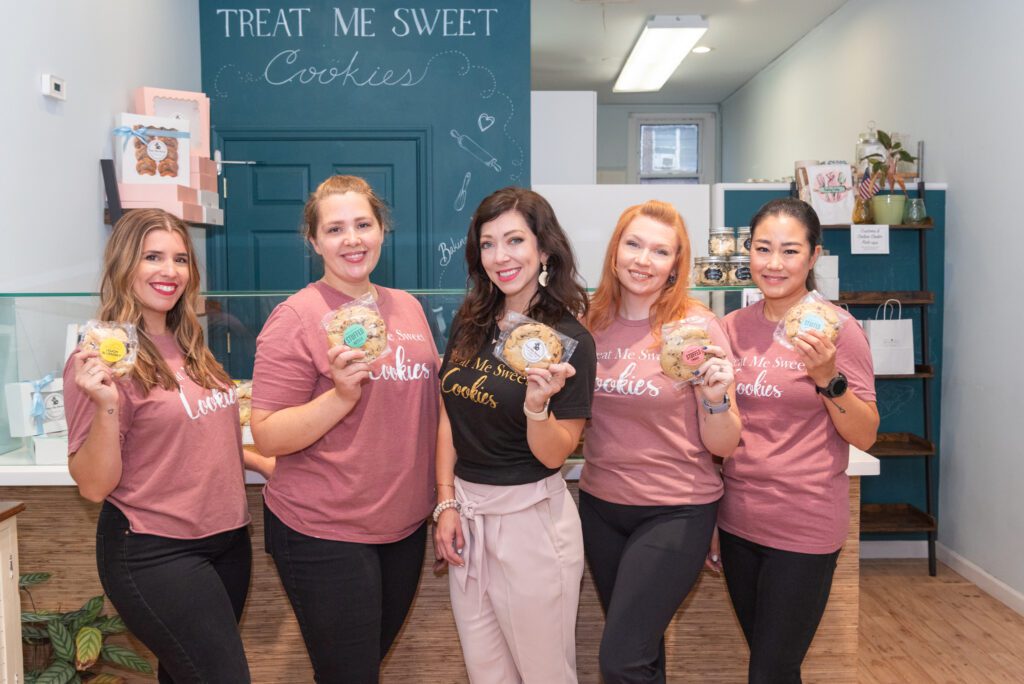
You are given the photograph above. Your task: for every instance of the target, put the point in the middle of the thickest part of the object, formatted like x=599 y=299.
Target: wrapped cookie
x=682 y=349
x=813 y=312
x=526 y=343
x=243 y=390
x=358 y=325
x=117 y=344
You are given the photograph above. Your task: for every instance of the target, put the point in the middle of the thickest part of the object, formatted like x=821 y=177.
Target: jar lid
x=743 y=229
x=721 y=229
x=712 y=260
x=739 y=259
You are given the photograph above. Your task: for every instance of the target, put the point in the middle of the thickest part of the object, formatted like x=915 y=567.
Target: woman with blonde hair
x=354 y=442
x=162 y=449
x=650 y=488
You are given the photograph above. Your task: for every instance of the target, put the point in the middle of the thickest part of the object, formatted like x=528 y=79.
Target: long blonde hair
x=118 y=303
x=674 y=301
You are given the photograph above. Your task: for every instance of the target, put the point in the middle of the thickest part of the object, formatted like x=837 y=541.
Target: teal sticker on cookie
x=812 y=322
x=355 y=336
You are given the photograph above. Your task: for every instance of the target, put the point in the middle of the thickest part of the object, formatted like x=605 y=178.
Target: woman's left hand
x=819 y=355
x=544 y=383
x=717 y=374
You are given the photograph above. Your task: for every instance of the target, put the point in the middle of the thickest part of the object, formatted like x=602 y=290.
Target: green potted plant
x=70 y=647
x=888 y=209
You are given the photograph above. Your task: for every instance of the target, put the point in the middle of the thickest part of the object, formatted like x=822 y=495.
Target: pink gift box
x=208 y=198
x=179 y=104
x=203 y=165
x=204 y=181
x=193 y=213
x=138 y=192
x=213 y=216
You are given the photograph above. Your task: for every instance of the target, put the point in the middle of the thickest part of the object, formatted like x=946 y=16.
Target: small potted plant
x=888 y=209
x=71 y=647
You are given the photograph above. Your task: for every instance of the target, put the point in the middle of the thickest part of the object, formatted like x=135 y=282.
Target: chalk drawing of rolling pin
x=468 y=144
x=460 y=199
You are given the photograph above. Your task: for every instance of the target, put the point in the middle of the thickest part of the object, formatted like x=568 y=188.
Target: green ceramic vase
x=888 y=209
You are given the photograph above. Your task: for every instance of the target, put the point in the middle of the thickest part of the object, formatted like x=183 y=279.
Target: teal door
x=262 y=248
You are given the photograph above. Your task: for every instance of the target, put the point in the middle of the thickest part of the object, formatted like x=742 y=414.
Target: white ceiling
x=582 y=44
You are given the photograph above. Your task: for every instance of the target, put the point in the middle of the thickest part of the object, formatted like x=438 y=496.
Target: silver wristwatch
x=717 y=408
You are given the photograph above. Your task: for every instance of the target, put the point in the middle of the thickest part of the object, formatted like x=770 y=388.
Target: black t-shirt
x=484 y=399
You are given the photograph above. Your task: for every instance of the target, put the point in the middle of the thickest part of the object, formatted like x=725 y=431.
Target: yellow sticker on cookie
x=112 y=350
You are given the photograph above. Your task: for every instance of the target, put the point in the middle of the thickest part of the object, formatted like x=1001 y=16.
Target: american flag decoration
x=867 y=188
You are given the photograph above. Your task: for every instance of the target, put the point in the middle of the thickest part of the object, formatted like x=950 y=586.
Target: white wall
x=563 y=137
x=946 y=71
x=51 y=231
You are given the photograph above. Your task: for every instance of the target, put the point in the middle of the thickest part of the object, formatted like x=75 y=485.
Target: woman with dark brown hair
x=506 y=523
x=162 y=449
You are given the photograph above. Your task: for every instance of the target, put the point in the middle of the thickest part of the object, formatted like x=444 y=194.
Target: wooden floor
x=915 y=628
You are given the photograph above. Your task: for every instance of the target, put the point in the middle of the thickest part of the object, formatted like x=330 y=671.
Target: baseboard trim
x=992 y=586
x=896 y=548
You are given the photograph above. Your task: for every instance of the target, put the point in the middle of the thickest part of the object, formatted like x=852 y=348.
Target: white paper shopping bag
x=892 y=340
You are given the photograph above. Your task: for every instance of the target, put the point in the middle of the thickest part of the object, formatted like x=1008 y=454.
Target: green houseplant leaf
x=61 y=672
x=60 y=638
x=126 y=658
x=109 y=624
x=88 y=643
x=30 y=579
x=39 y=616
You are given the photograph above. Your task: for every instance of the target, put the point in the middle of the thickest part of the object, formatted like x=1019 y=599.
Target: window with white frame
x=672 y=148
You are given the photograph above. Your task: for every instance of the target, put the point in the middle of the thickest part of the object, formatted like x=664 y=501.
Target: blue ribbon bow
x=38 y=410
x=145 y=134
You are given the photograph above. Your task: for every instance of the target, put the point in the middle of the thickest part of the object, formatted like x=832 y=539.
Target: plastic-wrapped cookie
x=359 y=327
x=116 y=343
x=243 y=390
x=532 y=345
x=682 y=350
x=812 y=315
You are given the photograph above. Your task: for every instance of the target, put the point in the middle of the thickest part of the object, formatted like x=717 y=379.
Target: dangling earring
x=542 y=279
x=672 y=278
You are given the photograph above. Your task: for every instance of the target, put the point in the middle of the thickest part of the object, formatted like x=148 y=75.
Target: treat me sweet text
x=358 y=22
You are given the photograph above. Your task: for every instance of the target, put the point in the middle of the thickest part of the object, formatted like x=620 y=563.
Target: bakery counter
x=704 y=641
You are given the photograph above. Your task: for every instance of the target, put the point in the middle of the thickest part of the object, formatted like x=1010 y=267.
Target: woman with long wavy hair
x=162 y=449
x=506 y=523
x=649 y=489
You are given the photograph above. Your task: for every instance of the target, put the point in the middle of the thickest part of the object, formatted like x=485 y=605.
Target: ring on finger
x=93 y=371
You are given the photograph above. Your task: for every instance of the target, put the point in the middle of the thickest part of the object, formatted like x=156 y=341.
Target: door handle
x=220 y=162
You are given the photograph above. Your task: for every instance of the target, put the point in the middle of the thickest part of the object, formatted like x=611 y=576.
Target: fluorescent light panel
x=664 y=43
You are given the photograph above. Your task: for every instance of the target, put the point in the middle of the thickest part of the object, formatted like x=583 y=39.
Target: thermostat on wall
x=55 y=87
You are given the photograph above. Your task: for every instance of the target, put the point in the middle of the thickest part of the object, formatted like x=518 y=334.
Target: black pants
x=181 y=597
x=350 y=599
x=779 y=598
x=644 y=560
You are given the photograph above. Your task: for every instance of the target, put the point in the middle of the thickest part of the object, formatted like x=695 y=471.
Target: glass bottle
x=915 y=212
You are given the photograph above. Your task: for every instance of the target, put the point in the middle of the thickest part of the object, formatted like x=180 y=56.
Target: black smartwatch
x=835 y=388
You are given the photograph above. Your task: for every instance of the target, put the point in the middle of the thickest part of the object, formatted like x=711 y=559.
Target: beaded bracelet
x=444 y=506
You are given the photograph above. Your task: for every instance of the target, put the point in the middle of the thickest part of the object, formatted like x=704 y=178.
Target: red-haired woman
x=650 y=488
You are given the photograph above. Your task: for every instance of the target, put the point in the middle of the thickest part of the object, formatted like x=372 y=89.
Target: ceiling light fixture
x=702 y=50
x=664 y=43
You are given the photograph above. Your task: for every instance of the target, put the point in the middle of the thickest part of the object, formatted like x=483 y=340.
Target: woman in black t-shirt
x=506 y=524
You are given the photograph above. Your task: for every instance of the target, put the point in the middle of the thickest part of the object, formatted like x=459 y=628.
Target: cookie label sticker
x=812 y=321
x=713 y=274
x=693 y=355
x=534 y=350
x=156 y=149
x=355 y=336
x=112 y=350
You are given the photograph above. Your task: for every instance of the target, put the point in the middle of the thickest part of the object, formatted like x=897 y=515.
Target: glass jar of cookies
x=711 y=271
x=721 y=242
x=739 y=270
x=743 y=240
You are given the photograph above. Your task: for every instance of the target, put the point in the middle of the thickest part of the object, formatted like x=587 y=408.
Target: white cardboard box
x=828 y=287
x=20 y=397
x=152 y=149
x=827 y=266
x=51 y=450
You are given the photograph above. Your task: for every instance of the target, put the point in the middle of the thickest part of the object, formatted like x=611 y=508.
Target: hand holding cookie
x=358 y=327
x=95 y=378
x=683 y=351
x=717 y=372
x=819 y=355
x=349 y=370
x=532 y=345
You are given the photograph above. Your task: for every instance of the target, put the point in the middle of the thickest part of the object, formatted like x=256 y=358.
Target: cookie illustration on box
x=682 y=351
x=812 y=316
x=157 y=155
x=358 y=327
x=532 y=345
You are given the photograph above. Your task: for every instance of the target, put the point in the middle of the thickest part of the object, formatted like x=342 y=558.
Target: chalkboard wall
x=458 y=72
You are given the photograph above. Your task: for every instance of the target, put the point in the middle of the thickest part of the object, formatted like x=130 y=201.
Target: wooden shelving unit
x=901 y=444
x=888 y=518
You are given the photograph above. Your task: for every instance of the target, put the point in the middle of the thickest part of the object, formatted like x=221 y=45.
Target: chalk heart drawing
x=484 y=121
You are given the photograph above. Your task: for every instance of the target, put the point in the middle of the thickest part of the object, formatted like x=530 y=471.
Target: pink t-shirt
x=181 y=452
x=786 y=485
x=370 y=479
x=643 y=445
